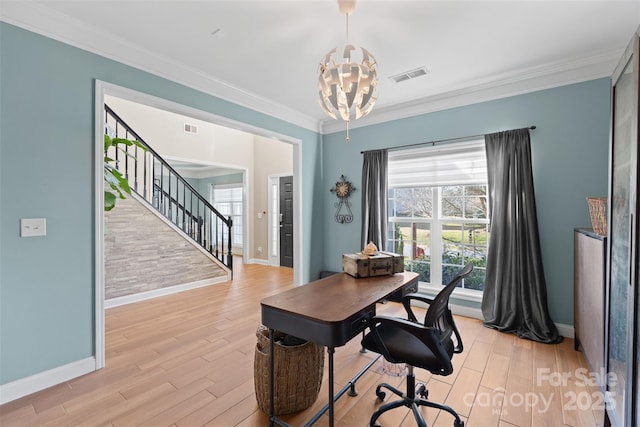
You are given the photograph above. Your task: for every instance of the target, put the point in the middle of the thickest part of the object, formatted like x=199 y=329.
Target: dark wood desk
x=329 y=311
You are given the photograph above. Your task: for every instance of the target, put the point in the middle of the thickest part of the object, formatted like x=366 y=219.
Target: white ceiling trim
x=41 y=20
x=531 y=80
x=44 y=21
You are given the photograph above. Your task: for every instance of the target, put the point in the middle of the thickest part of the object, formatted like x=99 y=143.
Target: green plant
x=116 y=185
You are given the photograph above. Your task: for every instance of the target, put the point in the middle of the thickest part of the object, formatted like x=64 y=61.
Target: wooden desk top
x=332 y=310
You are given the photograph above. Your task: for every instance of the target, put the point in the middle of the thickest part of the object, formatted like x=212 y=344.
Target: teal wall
x=569 y=155
x=46 y=170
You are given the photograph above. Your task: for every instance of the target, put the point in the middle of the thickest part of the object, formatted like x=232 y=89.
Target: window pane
x=464 y=243
x=452 y=207
x=421 y=241
x=475 y=280
x=452 y=237
x=422 y=268
x=476 y=207
x=452 y=190
x=422 y=202
x=400 y=240
x=448 y=273
x=237 y=208
x=403 y=202
x=476 y=190
x=228 y=202
x=475 y=236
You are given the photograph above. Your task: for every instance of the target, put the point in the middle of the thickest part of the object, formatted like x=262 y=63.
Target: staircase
x=159 y=185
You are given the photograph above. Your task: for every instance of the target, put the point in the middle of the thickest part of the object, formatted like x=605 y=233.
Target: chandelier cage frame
x=348 y=79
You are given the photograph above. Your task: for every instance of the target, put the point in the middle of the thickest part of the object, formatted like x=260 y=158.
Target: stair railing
x=158 y=184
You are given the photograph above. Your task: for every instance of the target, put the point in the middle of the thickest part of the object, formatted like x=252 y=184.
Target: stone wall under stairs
x=143 y=253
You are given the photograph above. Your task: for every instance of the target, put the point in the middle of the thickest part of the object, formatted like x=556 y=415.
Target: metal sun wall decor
x=343 y=190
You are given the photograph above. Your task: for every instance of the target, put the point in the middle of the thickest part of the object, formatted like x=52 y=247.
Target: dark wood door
x=286 y=221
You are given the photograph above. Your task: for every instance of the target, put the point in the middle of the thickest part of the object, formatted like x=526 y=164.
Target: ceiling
x=199 y=170
x=264 y=54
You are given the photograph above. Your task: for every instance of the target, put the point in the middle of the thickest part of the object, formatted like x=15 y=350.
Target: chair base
x=411 y=401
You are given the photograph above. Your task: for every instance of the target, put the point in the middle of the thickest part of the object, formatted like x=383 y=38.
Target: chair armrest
x=458 y=347
x=406 y=302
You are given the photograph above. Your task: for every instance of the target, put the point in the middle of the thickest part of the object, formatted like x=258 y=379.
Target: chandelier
x=348 y=79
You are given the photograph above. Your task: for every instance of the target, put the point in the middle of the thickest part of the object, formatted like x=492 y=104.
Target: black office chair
x=427 y=345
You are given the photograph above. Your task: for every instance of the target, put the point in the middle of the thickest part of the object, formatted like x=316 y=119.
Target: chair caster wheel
x=381 y=394
x=423 y=392
x=458 y=423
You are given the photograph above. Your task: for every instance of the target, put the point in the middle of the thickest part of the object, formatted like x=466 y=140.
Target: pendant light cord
x=347 y=17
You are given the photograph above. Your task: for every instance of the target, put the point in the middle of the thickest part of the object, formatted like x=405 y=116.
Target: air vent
x=190 y=128
x=411 y=74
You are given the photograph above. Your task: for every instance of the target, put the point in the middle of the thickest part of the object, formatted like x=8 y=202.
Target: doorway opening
x=105 y=90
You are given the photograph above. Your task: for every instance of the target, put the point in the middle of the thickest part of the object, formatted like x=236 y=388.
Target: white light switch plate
x=31 y=227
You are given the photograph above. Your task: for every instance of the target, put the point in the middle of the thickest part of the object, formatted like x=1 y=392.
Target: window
x=438 y=213
x=227 y=199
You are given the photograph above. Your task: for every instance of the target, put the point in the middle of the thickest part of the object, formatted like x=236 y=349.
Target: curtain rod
x=443 y=140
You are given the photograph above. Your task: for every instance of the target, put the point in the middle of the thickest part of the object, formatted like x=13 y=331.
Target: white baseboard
x=463 y=310
x=258 y=261
x=566 y=331
x=128 y=299
x=25 y=386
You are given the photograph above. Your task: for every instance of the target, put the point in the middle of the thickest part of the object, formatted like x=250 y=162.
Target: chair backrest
x=438 y=315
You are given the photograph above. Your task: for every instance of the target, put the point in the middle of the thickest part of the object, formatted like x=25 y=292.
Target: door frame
x=101 y=89
x=274 y=260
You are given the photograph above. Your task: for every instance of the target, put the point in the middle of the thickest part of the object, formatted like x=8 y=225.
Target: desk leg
x=331 y=351
x=362 y=349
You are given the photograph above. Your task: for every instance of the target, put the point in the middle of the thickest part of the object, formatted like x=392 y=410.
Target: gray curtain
x=374 y=198
x=515 y=294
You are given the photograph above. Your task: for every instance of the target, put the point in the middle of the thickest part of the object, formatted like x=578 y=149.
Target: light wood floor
x=187 y=360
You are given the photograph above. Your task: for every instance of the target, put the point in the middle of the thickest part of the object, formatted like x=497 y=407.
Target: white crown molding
x=44 y=21
x=531 y=80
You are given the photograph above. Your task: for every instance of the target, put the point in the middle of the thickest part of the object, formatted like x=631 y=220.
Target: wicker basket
x=297 y=373
x=598 y=214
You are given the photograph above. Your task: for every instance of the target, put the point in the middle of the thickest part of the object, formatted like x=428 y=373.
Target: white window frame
x=238 y=220
x=435 y=225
